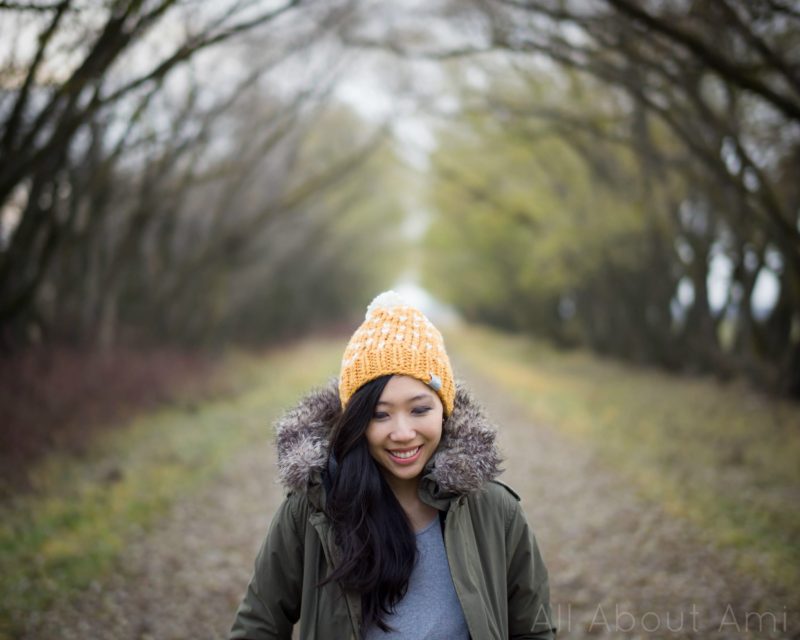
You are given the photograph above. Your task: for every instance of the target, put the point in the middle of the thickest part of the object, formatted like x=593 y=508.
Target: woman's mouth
x=405 y=456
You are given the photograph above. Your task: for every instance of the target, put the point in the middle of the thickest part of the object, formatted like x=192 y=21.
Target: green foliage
x=563 y=209
x=83 y=510
x=521 y=221
x=722 y=456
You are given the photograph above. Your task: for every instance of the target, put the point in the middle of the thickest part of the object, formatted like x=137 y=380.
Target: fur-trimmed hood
x=467 y=456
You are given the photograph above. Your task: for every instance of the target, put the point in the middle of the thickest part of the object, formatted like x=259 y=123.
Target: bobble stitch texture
x=401 y=350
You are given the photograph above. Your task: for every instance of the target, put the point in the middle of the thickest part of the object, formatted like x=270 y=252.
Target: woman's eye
x=421 y=410
x=379 y=415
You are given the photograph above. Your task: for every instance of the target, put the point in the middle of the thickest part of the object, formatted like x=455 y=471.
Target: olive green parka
x=497 y=570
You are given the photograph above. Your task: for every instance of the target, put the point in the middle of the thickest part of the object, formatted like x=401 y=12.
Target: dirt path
x=184 y=578
x=621 y=566
x=618 y=565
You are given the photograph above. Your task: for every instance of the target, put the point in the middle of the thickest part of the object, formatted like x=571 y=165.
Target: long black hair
x=377 y=547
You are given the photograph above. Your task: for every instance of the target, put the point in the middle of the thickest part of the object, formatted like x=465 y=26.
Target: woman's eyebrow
x=421 y=396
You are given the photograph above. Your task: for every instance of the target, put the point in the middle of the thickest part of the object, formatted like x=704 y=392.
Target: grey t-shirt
x=430 y=609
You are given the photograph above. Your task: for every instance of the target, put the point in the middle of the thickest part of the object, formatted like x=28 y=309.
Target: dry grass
x=83 y=508
x=56 y=399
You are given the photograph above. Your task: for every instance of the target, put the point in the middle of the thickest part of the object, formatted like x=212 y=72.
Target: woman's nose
x=403 y=430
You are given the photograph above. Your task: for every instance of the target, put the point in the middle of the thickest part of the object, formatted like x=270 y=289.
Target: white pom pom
x=386 y=300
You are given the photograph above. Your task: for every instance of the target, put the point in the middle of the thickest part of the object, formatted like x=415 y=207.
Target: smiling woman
x=405 y=431
x=394 y=525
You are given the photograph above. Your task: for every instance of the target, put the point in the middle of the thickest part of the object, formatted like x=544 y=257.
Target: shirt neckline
x=428 y=526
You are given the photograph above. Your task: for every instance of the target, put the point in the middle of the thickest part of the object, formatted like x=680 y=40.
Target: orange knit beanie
x=396 y=338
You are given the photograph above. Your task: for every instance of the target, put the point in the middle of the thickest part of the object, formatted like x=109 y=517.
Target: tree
x=707 y=94
x=66 y=102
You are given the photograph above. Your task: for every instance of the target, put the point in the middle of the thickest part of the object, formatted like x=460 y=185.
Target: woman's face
x=405 y=429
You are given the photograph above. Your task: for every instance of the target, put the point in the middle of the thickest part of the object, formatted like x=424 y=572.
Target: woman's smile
x=405 y=456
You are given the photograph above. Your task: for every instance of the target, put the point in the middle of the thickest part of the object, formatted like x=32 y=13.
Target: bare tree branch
x=790 y=107
x=12 y=123
x=30 y=6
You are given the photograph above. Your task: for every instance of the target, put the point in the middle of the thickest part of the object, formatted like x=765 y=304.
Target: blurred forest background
x=622 y=176
x=180 y=177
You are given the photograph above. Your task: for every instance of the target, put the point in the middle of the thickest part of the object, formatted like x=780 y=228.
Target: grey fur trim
x=467 y=456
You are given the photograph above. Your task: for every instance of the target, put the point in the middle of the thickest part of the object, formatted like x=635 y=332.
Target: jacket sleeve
x=271 y=605
x=529 y=614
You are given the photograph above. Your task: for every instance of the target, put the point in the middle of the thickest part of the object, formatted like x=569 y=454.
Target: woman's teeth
x=405 y=454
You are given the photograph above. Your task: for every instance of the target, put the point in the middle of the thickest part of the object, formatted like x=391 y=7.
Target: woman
x=394 y=525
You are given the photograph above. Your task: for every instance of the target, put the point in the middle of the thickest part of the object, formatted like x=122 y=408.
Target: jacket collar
x=467 y=456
